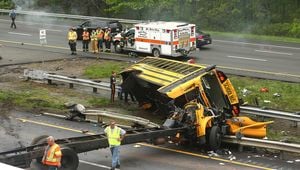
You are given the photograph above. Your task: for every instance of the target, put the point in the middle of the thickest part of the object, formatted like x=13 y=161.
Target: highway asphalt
x=257 y=59
x=18 y=129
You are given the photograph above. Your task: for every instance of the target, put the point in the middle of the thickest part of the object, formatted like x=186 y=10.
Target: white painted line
x=19 y=33
x=94 y=164
x=258 y=44
x=245 y=58
x=50 y=30
x=273 y=52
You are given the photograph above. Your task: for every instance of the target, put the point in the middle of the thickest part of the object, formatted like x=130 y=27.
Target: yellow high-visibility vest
x=72 y=36
x=113 y=136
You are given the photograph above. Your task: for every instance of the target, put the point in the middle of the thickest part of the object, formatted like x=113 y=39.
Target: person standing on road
x=100 y=35
x=107 y=39
x=52 y=154
x=72 y=37
x=13 y=16
x=94 y=41
x=114 y=135
x=85 y=40
x=113 y=81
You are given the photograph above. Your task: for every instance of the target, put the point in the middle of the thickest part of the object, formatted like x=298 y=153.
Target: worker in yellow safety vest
x=52 y=155
x=115 y=135
x=107 y=39
x=94 y=41
x=85 y=40
x=72 y=37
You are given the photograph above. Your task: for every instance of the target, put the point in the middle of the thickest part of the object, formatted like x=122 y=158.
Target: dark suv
x=115 y=26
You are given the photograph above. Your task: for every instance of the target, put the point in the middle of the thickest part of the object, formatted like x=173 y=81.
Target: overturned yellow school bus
x=199 y=97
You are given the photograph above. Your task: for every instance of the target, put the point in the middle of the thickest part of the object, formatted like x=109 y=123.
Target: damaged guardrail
x=43 y=75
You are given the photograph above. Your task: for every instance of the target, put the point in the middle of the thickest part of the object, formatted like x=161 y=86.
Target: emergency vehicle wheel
x=156 y=52
x=215 y=138
x=70 y=160
x=118 y=48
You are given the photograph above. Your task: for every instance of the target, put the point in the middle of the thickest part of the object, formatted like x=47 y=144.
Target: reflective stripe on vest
x=113 y=136
x=53 y=153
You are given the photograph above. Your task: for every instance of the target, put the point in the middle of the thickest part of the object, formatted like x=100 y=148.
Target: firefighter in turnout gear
x=52 y=155
x=94 y=42
x=114 y=135
x=85 y=40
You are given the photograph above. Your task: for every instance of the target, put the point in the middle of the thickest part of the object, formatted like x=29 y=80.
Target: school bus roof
x=164 y=25
x=168 y=74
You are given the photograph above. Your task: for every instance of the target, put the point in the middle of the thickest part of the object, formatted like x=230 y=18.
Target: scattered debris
x=257 y=156
x=277 y=95
x=267 y=101
x=248 y=157
x=245 y=92
x=84 y=131
x=221 y=163
x=264 y=89
x=297 y=160
x=231 y=157
x=212 y=153
x=290 y=162
x=137 y=146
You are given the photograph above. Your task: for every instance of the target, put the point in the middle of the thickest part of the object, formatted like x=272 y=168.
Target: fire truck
x=158 y=38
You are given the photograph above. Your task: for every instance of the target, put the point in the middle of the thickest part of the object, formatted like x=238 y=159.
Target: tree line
x=262 y=17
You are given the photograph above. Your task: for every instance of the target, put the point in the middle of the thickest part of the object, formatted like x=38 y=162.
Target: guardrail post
x=281 y=155
x=49 y=81
x=71 y=85
x=94 y=89
x=241 y=148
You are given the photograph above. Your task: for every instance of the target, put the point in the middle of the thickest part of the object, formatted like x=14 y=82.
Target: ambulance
x=158 y=38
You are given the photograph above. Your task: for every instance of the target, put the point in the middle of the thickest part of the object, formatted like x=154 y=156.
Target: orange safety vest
x=85 y=35
x=100 y=34
x=53 y=153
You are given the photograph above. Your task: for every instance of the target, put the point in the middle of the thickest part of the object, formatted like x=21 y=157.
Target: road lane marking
x=258 y=44
x=51 y=30
x=273 y=52
x=36 y=45
x=152 y=146
x=94 y=164
x=17 y=33
x=51 y=125
x=246 y=58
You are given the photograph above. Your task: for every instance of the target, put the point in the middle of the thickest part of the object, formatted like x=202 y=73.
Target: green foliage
x=289 y=98
x=6 y=4
x=103 y=70
x=98 y=102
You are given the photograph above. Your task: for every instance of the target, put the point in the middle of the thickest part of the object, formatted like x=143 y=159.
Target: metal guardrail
x=83 y=17
x=271 y=113
x=42 y=75
x=281 y=146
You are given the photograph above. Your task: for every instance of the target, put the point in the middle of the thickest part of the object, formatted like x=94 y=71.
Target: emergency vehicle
x=158 y=38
